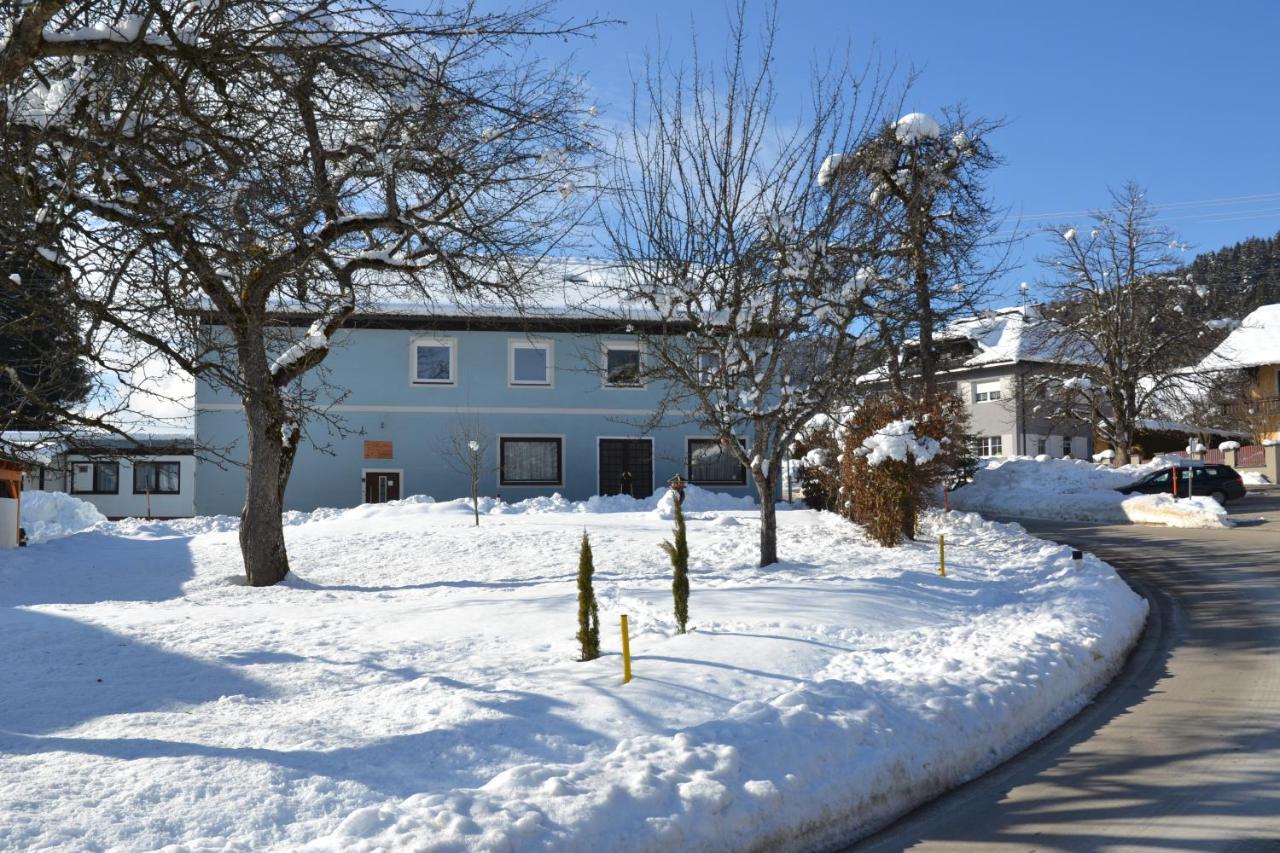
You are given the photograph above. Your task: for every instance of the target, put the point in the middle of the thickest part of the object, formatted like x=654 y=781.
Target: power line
x=1209 y=202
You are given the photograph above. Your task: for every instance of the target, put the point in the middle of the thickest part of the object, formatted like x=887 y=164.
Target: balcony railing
x=1262 y=406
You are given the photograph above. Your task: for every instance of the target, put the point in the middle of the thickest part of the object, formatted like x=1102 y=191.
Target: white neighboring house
x=990 y=362
x=152 y=476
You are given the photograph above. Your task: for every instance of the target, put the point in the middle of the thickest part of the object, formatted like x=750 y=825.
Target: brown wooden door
x=381 y=486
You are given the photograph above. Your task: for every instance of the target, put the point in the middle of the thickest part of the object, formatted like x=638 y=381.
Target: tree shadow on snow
x=92 y=567
x=58 y=672
x=519 y=727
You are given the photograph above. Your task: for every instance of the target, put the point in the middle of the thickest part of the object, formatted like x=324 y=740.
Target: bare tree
x=466 y=452
x=220 y=174
x=744 y=276
x=1119 y=319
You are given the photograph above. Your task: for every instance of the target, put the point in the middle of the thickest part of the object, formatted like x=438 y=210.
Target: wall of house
x=1019 y=431
x=382 y=404
x=124 y=503
x=1267 y=387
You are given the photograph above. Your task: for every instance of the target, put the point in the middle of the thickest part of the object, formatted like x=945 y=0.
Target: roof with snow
x=1007 y=336
x=1255 y=342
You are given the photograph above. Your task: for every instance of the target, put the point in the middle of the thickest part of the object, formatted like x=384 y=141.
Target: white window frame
x=688 y=463
x=549 y=347
x=520 y=436
x=634 y=346
x=986 y=443
x=433 y=340
x=991 y=394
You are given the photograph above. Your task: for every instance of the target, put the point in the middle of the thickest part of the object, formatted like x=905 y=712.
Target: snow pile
x=420 y=679
x=898 y=441
x=1076 y=490
x=1253 y=478
x=1175 y=512
x=52 y=515
x=913 y=127
x=830 y=166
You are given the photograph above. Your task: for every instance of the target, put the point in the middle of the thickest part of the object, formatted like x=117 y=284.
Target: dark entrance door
x=381 y=486
x=626 y=467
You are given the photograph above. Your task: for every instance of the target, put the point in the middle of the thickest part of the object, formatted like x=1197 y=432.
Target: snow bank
x=52 y=515
x=1253 y=478
x=1076 y=490
x=1175 y=512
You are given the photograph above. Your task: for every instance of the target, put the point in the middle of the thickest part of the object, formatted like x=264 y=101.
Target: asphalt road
x=1182 y=750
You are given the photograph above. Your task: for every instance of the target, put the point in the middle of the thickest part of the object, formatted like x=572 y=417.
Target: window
x=990 y=445
x=433 y=361
x=1042 y=446
x=96 y=478
x=984 y=391
x=1066 y=446
x=529 y=362
x=530 y=461
x=622 y=366
x=712 y=463
x=158 y=478
x=708 y=366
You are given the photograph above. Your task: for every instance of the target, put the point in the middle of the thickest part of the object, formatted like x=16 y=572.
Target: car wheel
x=1219 y=496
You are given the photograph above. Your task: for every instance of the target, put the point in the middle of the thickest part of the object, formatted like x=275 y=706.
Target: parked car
x=1220 y=482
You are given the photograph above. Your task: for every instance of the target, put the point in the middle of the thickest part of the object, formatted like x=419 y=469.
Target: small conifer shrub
x=679 y=554
x=588 y=614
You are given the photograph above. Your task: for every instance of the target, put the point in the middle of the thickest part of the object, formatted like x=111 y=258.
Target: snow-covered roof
x=1007 y=336
x=562 y=288
x=41 y=448
x=1255 y=342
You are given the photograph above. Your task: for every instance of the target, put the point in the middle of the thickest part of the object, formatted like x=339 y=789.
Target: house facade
x=144 y=476
x=990 y=362
x=555 y=402
x=1254 y=347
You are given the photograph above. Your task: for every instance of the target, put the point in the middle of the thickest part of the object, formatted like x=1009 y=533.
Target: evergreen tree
x=679 y=554
x=588 y=614
x=41 y=372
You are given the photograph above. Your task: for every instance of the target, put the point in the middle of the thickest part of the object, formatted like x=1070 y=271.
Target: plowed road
x=1182 y=751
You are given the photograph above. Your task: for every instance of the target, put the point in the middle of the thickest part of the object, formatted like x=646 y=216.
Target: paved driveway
x=1182 y=752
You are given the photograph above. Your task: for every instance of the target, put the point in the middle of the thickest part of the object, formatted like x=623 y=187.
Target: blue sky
x=1179 y=96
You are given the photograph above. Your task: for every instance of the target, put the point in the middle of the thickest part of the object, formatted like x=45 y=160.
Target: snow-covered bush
x=894 y=455
x=818 y=453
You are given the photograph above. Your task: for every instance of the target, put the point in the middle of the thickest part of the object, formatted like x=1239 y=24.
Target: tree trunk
x=768 y=519
x=261 y=527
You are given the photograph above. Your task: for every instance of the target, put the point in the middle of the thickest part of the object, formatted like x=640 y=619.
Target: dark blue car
x=1220 y=482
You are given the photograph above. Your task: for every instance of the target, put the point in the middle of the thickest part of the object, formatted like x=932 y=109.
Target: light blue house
x=553 y=395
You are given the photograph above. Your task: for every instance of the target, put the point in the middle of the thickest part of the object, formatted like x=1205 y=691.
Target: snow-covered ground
x=1076 y=490
x=1253 y=478
x=413 y=684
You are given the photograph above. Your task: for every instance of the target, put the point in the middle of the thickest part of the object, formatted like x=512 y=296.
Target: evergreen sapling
x=588 y=614
x=679 y=554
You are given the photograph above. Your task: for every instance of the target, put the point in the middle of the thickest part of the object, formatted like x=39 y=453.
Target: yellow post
x=626 y=652
x=942 y=555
